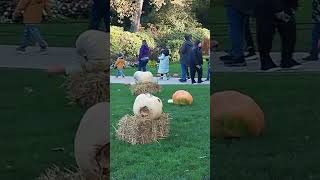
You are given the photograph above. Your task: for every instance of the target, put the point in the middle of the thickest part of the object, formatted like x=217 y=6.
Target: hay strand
x=143 y=88
x=88 y=87
x=142 y=130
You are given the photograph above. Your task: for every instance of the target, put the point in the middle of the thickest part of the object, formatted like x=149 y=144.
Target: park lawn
x=174 y=68
x=219 y=26
x=289 y=148
x=56 y=34
x=32 y=124
x=183 y=155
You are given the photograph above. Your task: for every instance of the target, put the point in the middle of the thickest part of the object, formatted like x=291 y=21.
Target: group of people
x=270 y=15
x=32 y=12
x=191 y=61
x=191 y=58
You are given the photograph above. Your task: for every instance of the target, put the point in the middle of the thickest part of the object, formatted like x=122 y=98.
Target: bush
x=128 y=43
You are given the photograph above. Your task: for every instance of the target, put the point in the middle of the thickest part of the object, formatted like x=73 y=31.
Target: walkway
x=254 y=65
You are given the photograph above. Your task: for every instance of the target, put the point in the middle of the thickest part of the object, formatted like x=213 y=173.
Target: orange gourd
x=235 y=115
x=182 y=97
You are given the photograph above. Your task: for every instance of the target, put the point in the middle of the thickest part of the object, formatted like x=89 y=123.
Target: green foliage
x=127 y=42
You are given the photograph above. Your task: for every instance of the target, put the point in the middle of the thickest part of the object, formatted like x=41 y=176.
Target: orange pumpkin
x=56 y=69
x=235 y=115
x=182 y=97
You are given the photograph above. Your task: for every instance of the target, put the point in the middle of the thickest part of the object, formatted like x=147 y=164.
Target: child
x=164 y=63
x=32 y=11
x=119 y=65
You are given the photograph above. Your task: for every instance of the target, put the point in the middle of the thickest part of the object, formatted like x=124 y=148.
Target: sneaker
x=251 y=56
x=21 y=50
x=226 y=58
x=44 y=51
x=235 y=62
x=199 y=82
x=291 y=64
x=270 y=69
x=182 y=80
x=311 y=58
x=193 y=82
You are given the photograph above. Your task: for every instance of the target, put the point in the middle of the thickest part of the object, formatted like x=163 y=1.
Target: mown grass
x=183 y=155
x=35 y=118
x=289 y=148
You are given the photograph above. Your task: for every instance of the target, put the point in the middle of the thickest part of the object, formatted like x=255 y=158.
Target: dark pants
x=195 y=70
x=249 y=46
x=315 y=38
x=236 y=31
x=266 y=28
x=98 y=13
x=142 y=66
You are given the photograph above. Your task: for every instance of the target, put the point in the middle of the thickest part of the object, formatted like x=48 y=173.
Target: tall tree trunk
x=135 y=26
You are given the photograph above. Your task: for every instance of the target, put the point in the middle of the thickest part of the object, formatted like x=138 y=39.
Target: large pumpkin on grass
x=182 y=97
x=92 y=139
x=147 y=105
x=143 y=77
x=235 y=115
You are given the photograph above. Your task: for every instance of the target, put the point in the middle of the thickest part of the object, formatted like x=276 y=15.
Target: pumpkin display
x=56 y=69
x=147 y=105
x=182 y=97
x=235 y=115
x=92 y=138
x=143 y=77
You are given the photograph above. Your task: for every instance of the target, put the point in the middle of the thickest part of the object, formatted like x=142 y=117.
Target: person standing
x=314 y=53
x=99 y=11
x=164 y=61
x=185 y=57
x=119 y=65
x=196 y=62
x=237 y=12
x=32 y=12
x=143 y=57
x=280 y=15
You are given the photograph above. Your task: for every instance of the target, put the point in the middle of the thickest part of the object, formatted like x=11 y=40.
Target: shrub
x=128 y=43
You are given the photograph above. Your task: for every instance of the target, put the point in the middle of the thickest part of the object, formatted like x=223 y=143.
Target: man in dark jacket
x=196 y=62
x=237 y=14
x=185 y=57
x=99 y=11
x=272 y=15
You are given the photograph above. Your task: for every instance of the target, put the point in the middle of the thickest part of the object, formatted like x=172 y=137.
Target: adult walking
x=143 y=57
x=280 y=15
x=237 y=13
x=99 y=11
x=196 y=62
x=314 y=53
x=185 y=57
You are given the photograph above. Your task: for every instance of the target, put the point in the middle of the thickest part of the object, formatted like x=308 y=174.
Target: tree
x=133 y=9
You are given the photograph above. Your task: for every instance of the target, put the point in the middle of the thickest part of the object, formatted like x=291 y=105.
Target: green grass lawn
x=174 y=68
x=183 y=155
x=34 y=123
x=289 y=148
x=56 y=34
x=219 y=26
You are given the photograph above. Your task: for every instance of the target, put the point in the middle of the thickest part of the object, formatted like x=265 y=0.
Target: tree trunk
x=135 y=26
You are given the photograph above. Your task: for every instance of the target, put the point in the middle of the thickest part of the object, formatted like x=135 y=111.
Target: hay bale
x=143 y=88
x=56 y=173
x=87 y=88
x=142 y=130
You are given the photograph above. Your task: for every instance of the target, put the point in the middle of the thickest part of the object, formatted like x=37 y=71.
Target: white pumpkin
x=143 y=77
x=147 y=105
x=94 y=45
x=93 y=131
